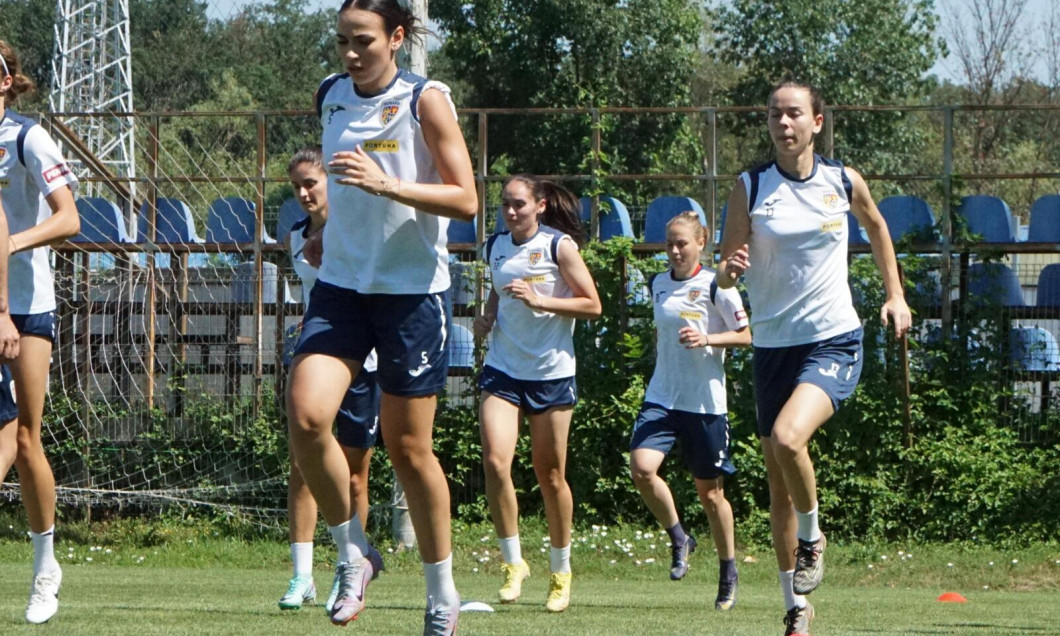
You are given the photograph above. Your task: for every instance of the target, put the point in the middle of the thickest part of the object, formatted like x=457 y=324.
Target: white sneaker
x=44 y=596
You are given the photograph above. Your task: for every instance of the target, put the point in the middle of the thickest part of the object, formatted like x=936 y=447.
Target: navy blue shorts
x=532 y=396
x=834 y=365
x=357 y=424
x=704 y=438
x=42 y=325
x=410 y=333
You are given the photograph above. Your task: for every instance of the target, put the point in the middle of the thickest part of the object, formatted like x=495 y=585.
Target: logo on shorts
x=389 y=111
x=534 y=257
x=831 y=200
x=832 y=372
x=55 y=172
x=375 y=426
x=693 y=295
x=418 y=372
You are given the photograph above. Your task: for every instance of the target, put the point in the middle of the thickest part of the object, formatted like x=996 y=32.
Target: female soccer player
x=694 y=323
x=358 y=419
x=540 y=286
x=399 y=169
x=787 y=228
x=38 y=198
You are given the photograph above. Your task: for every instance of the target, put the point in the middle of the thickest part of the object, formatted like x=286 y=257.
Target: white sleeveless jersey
x=308 y=274
x=797 y=279
x=374 y=245
x=691 y=380
x=527 y=344
x=31 y=168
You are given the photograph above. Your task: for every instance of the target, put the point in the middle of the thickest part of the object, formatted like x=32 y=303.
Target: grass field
x=191 y=582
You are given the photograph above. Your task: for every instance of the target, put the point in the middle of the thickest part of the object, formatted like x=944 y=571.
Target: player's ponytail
x=395 y=13
x=11 y=66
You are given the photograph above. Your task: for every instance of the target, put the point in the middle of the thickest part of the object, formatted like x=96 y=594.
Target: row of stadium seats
x=229 y=220
x=987 y=216
x=232 y=220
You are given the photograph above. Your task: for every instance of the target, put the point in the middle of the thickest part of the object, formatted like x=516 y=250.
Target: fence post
x=945 y=272
x=594 y=166
x=259 y=267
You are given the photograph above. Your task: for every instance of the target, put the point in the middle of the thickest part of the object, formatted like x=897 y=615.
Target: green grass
x=179 y=577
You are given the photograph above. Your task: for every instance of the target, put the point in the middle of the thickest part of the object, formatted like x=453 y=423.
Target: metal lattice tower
x=92 y=71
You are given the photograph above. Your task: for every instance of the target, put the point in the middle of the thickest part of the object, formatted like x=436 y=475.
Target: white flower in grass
x=651 y=547
x=474 y=553
x=108 y=551
x=543 y=550
x=991 y=564
x=390 y=550
x=883 y=557
x=1015 y=561
x=89 y=559
x=604 y=533
x=475 y=570
x=649 y=560
x=901 y=553
x=870 y=566
x=484 y=539
x=949 y=565
x=612 y=561
x=637 y=562
x=593 y=546
x=986 y=587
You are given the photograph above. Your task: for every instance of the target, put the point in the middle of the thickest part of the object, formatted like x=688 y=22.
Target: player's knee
x=786 y=444
x=641 y=477
x=713 y=497
x=551 y=479
x=496 y=466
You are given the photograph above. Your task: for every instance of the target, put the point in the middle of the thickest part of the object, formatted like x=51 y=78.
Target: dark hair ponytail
x=562 y=208
x=20 y=84
x=395 y=13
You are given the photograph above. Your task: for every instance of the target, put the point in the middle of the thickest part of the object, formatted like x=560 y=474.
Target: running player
x=358 y=419
x=399 y=169
x=694 y=323
x=540 y=286
x=787 y=228
x=38 y=198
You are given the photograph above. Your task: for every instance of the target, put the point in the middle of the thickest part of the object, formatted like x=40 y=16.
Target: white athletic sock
x=44 y=551
x=340 y=534
x=440 y=585
x=302 y=558
x=808 y=530
x=791 y=599
x=511 y=549
x=357 y=537
x=559 y=559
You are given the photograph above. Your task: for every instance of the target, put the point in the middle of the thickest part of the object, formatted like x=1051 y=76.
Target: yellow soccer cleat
x=558 y=592
x=514 y=575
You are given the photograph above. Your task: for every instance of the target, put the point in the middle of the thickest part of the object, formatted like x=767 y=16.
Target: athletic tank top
x=375 y=245
x=797 y=279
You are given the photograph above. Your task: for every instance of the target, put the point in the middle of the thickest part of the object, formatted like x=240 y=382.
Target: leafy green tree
x=575 y=53
x=28 y=26
x=857 y=53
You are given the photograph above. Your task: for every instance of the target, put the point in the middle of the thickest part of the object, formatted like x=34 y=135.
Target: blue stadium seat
x=637 y=292
x=661 y=210
x=614 y=217
x=291 y=212
x=173 y=223
x=907 y=215
x=461 y=282
x=462 y=231
x=1034 y=349
x=996 y=281
x=101 y=222
x=232 y=220
x=1045 y=220
x=1049 y=286
x=989 y=217
x=462 y=348
x=855 y=233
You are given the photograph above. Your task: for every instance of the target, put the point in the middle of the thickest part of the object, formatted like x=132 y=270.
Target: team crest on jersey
x=534 y=257
x=3 y=151
x=831 y=200
x=693 y=295
x=389 y=111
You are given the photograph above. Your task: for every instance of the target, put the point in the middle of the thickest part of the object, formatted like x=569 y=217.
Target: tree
x=860 y=53
x=575 y=53
x=28 y=26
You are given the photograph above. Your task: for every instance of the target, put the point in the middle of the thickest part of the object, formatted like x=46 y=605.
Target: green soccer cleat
x=300 y=590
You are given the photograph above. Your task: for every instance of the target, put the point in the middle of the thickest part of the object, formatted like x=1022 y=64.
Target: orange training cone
x=951 y=597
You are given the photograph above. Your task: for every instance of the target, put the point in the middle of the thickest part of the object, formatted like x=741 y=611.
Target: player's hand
x=737 y=263
x=313 y=249
x=896 y=312
x=9 y=338
x=519 y=289
x=691 y=338
x=358 y=169
x=483 y=325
